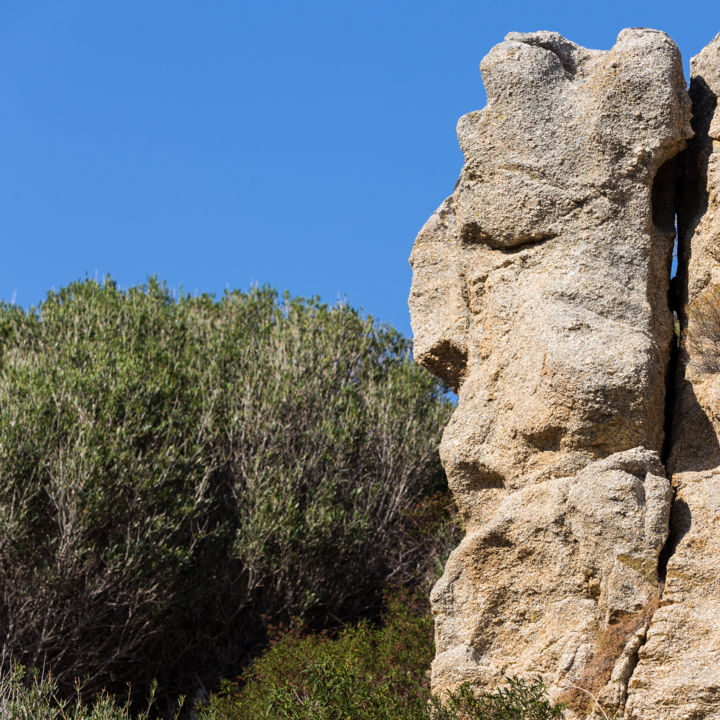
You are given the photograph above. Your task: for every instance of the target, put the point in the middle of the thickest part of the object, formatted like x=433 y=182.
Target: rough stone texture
x=538 y=587
x=697 y=416
x=678 y=674
x=540 y=294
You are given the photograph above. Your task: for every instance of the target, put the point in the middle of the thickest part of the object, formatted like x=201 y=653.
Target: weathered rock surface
x=557 y=581
x=540 y=293
x=696 y=422
x=678 y=674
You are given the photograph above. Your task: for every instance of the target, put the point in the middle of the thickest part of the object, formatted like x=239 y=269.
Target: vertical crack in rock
x=540 y=291
x=666 y=201
x=673 y=381
x=678 y=674
x=670 y=545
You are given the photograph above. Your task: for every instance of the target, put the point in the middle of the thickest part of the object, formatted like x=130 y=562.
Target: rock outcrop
x=540 y=294
x=678 y=674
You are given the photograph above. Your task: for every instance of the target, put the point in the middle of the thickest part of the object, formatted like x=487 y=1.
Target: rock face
x=697 y=413
x=540 y=294
x=678 y=674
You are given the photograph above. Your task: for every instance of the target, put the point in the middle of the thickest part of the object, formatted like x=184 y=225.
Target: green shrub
x=519 y=700
x=176 y=473
x=26 y=696
x=366 y=673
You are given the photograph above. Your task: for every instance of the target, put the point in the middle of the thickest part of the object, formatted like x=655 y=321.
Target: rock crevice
x=678 y=673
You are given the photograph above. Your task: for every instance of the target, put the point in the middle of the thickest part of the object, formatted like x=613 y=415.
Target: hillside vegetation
x=176 y=473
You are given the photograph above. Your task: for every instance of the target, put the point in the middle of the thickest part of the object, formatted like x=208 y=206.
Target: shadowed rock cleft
x=678 y=671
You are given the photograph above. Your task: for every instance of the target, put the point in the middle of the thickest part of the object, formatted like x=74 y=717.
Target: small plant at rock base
x=519 y=700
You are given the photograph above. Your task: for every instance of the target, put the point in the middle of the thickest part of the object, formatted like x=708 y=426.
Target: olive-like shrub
x=178 y=472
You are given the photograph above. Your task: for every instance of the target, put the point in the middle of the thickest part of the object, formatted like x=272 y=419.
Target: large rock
x=540 y=294
x=678 y=674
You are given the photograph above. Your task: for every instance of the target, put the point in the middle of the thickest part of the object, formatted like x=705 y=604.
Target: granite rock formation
x=540 y=294
x=678 y=674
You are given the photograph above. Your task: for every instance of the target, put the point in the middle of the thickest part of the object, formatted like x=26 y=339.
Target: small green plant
x=519 y=700
x=27 y=696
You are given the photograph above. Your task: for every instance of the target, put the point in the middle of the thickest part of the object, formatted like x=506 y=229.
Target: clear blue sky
x=216 y=144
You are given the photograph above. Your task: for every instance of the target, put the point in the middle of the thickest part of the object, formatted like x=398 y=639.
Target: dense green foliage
x=366 y=673
x=175 y=474
x=330 y=680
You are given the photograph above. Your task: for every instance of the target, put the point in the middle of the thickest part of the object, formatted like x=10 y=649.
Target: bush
x=366 y=673
x=30 y=697
x=519 y=700
x=176 y=473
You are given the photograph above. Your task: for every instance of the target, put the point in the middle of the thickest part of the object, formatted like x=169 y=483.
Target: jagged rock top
x=562 y=124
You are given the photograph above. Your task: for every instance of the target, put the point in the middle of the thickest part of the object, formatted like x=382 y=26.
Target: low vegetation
x=28 y=696
x=368 y=672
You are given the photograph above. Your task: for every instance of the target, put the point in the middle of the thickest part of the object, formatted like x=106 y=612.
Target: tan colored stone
x=535 y=589
x=696 y=422
x=678 y=673
x=540 y=294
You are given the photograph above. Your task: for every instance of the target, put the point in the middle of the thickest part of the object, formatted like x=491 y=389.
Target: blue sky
x=220 y=144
